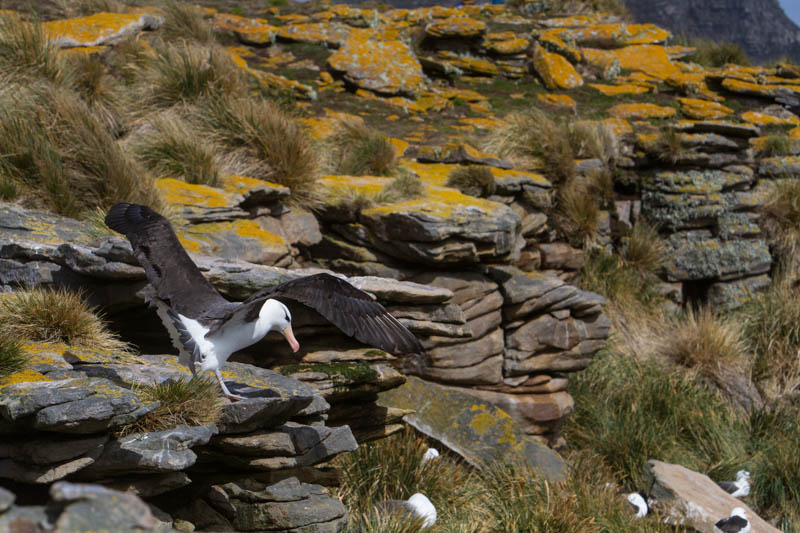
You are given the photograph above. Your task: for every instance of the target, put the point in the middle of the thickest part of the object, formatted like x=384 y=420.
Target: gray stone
x=733 y=294
x=696 y=256
x=711 y=142
x=446 y=314
x=477 y=430
x=54 y=449
x=731 y=129
x=784 y=167
x=424 y=327
x=561 y=256
x=535 y=413
x=6 y=500
x=301 y=227
x=149 y=485
x=487 y=372
x=469 y=353
x=391 y=291
x=24 y=399
x=254 y=413
x=690 y=498
x=161 y=451
x=549 y=300
x=519 y=286
x=44 y=474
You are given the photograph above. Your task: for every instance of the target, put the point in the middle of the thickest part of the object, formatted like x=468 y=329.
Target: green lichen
x=339 y=373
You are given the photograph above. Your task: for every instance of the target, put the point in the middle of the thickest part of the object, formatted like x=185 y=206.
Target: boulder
x=100 y=28
x=472 y=427
x=555 y=70
x=694 y=500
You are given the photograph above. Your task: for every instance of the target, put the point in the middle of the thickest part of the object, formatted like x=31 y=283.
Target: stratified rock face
x=693 y=499
x=760 y=27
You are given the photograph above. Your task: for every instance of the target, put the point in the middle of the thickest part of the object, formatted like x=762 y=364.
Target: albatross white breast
x=206 y=328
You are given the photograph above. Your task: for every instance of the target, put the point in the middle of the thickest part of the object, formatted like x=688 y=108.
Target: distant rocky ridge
x=760 y=27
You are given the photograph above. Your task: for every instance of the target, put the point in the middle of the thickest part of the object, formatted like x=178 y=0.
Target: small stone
x=555 y=71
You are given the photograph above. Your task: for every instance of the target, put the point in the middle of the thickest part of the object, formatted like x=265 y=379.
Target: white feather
x=423 y=508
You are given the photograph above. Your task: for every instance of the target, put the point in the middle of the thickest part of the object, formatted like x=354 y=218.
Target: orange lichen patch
x=540 y=180
x=692 y=84
x=462 y=127
x=678 y=51
x=82 y=51
x=400 y=145
x=249 y=229
x=463 y=27
x=763 y=119
x=644 y=34
x=516 y=45
x=479 y=108
x=325 y=78
x=619 y=126
x=561 y=101
x=551 y=39
x=333 y=34
x=641 y=111
x=794 y=134
x=516 y=96
x=471 y=64
x=248 y=30
x=98 y=29
x=382 y=66
x=650 y=59
x=270 y=79
x=484 y=123
x=334 y=185
x=430 y=101
x=567 y=22
x=466 y=95
x=23 y=376
x=237 y=184
x=293 y=18
x=703 y=109
x=443 y=203
x=182 y=194
x=430 y=173
x=746 y=87
x=555 y=70
x=615 y=90
x=639 y=78
x=283 y=58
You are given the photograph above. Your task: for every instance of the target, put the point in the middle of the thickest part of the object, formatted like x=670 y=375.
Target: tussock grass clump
x=644 y=249
x=355 y=199
x=185 y=72
x=577 y=212
x=406 y=185
x=620 y=282
x=185 y=22
x=80 y=8
x=92 y=81
x=11 y=357
x=716 y=54
x=474 y=180
x=271 y=143
x=26 y=50
x=170 y=148
x=356 y=150
x=651 y=410
x=772 y=326
x=190 y=402
x=533 y=141
x=594 y=139
x=57 y=315
x=781 y=221
x=61 y=153
x=777 y=145
x=668 y=146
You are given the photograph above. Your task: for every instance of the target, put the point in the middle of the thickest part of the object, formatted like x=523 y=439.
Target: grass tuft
x=170 y=148
x=26 y=50
x=533 y=141
x=644 y=248
x=190 y=402
x=356 y=150
x=577 y=212
x=777 y=145
x=594 y=139
x=406 y=185
x=623 y=284
x=11 y=357
x=57 y=315
x=781 y=221
x=185 y=22
x=474 y=180
x=668 y=147
x=274 y=145
x=716 y=54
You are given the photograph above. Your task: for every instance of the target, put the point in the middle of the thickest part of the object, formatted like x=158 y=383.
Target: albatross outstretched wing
x=350 y=309
x=168 y=267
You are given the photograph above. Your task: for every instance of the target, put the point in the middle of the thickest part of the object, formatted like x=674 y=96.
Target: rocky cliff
x=760 y=27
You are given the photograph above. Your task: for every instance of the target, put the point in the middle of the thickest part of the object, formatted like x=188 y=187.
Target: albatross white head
x=274 y=316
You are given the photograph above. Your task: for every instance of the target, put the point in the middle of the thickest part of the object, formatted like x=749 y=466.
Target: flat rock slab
x=694 y=499
x=255 y=413
x=476 y=430
x=100 y=28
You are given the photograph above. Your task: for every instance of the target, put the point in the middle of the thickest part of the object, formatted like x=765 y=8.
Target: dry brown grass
x=594 y=139
x=92 y=81
x=577 y=212
x=191 y=402
x=57 y=315
x=356 y=150
x=533 y=141
x=270 y=143
x=668 y=147
x=170 y=147
x=781 y=222
x=406 y=185
x=185 y=22
x=26 y=51
x=474 y=180
x=11 y=357
x=644 y=248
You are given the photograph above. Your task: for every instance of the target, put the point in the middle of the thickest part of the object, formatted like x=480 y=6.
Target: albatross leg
x=225 y=391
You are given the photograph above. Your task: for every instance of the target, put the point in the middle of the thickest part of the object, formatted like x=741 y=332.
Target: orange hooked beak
x=289 y=334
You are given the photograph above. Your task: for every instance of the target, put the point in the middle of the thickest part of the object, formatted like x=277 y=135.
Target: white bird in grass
x=206 y=328
x=739 y=488
x=638 y=503
x=430 y=454
x=737 y=522
x=417 y=507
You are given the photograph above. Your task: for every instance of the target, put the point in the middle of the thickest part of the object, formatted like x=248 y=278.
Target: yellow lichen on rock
x=441 y=203
x=555 y=70
x=516 y=45
x=475 y=65
x=97 y=29
x=561 y=101
x=763 y=119
x=641 y=111
x=551 y=39
x=616 y=90
x=23 y=376
x=757 y=89
x=460 y=27
x=703 y=109
x=181 y=194
x=619 y=126
x=248 y=30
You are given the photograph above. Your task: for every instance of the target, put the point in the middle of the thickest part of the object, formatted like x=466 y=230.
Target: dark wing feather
x=732 y=524
x=351 y=310
x=168 y=267
x=728 y=486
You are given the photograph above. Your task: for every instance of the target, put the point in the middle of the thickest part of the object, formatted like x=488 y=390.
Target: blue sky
x=792 y=8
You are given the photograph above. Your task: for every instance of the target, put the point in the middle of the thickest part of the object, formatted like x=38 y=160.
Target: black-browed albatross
x=206 y=328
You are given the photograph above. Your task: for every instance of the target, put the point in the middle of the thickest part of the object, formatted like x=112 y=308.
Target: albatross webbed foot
x=228 y=394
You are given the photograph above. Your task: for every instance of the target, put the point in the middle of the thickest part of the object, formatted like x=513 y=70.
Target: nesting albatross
x=206 y=328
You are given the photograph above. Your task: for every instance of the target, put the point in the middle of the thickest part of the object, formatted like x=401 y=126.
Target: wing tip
x=125 y=217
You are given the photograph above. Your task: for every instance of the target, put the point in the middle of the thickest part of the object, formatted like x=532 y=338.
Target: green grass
x=780 y=220
x=777 y=145
x=577 y=212
x=11 y=357
x=190 y=402
x=171 y=148
x=26 y=50
x=356 y=150
x=644 y=249
x=57 y=315
x=716 y=54
x=406 y=185
x=185 y=22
